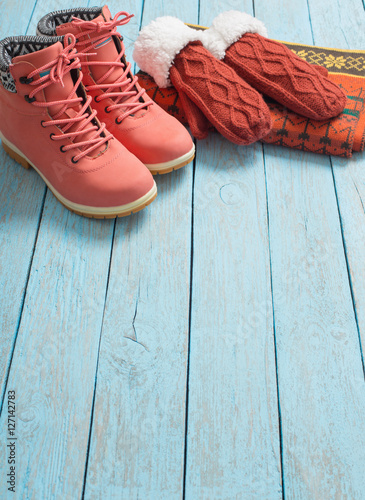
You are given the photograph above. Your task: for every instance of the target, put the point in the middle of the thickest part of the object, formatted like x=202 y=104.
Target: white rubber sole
x=169 y=166
x=84 y=210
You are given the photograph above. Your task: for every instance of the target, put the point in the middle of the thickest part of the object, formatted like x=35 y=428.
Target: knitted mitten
x=235 y=109
x=321 y=69
x=198 y=122
x=168 y=49
x=270 y=67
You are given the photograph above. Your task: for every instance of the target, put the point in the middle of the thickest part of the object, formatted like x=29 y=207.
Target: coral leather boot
x=155 y=137
x=46 y=122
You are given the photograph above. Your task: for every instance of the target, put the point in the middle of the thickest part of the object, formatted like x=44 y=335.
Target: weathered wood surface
x=349 y=176
x=233 y=445
x=320 y=372
x=208 y=347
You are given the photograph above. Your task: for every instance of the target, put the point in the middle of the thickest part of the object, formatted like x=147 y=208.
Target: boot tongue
x=64 y=28
x=105 y=50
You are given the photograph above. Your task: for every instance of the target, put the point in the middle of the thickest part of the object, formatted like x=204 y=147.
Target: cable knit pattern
x=235 y=109
x=276 y=71
x=198 y=123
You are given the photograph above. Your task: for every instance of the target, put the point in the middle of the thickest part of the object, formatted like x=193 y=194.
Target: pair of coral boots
x=71 y=108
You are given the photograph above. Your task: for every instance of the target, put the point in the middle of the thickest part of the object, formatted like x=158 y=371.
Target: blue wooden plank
x=233 y=442
x=340 y=25
x=137 y=441
x=320 y=371
x=349 y=174
x=137 y=437
x=53 y=367
x=233 y=447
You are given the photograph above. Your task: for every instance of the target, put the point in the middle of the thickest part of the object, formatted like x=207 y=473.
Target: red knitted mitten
x=321 y=69
x=198 y=122
x=235 y=109
x=167 y=48
x=269 y=66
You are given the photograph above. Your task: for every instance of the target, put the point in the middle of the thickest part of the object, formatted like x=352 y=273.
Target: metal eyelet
x=51 y=135
x=96 y=99
x=118 y=122
x=107 y=110
x=73 y=160
x=62 y=149
x=42 y=124
x=25 y=80
x=29 y=99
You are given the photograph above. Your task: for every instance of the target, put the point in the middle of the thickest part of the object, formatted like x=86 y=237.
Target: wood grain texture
x=350 y=187
x=285 y=20
x=137 y=441
x=21 y=196
x=320 y=371
x=349 y=174
x=233 y=431
x=319 y=364
x=54 y=363
x=339 y=24
x=130 y=30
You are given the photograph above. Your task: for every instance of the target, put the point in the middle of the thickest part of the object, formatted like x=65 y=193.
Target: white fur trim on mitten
x=157 y=45
x=227 y=28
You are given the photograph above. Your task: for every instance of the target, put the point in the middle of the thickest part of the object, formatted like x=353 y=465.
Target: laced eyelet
x=62 y=149
x=96 y=99
x=117 y=121
x=42 y=124
x=29 y=99
x=25 y=80
x=107 y=110
x=73 y=160
x=51 y=135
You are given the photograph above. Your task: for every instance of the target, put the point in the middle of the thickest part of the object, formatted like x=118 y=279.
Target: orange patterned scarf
x=339 y=136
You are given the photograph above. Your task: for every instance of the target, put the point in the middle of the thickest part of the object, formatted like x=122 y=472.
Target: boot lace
x=58 y=68
x=123 y=92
